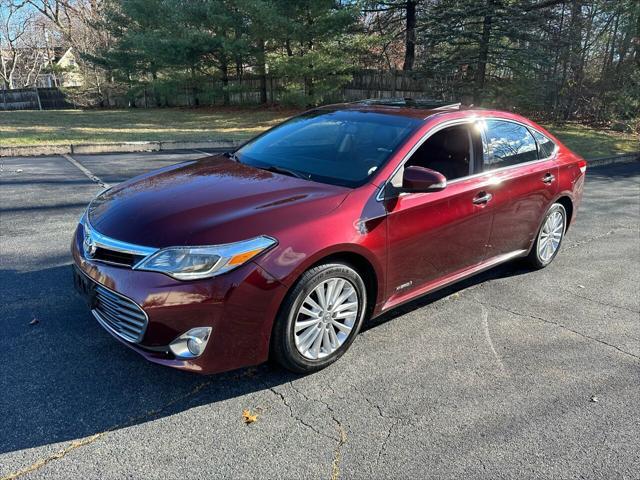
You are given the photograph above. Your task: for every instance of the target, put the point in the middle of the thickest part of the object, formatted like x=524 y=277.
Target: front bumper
x=240 y=306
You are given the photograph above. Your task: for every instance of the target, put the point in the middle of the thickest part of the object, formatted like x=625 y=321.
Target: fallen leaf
x=35 y=321
x=249 y=417
x=455 y=295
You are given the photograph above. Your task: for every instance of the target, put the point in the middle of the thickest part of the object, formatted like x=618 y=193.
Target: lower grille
x=119 y=314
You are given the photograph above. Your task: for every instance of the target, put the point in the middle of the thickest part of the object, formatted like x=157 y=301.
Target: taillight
x=582 y=165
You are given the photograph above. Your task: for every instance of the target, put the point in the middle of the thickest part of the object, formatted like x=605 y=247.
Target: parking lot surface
x=512 y=374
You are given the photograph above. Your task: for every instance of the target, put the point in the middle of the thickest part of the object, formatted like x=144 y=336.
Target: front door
x=434 y=235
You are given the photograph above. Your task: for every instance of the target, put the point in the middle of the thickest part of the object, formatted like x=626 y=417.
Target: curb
x=132 y=147
x=124 y=147
x=621 y=158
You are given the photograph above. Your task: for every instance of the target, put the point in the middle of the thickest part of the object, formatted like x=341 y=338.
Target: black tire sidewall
x=286 y=351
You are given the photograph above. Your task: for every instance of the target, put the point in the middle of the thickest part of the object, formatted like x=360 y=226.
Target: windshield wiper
x=285 y=171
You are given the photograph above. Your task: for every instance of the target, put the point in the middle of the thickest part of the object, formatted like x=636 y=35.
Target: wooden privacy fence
x=32 y=99
x=246 y=91
x=238 y=91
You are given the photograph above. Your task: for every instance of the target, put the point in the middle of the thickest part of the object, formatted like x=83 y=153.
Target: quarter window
x=509 y=144
x=545 y=146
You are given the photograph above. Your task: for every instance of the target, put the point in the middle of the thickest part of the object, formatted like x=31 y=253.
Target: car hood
x=209 y=201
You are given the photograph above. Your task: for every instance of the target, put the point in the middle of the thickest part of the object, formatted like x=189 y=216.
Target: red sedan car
x=285 y=247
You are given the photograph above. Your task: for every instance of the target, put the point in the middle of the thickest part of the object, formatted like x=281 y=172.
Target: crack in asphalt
x=598 y=237
x=611 y=305
x=93 y=438
x=487 y=334
x=296 y=417
x=394 y=421
x=383 y=446
x=342 y=436
x=560 y=325
x=55 y=456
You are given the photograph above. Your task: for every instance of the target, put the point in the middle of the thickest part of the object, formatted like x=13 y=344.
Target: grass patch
x=50 y=127
x=592 y=142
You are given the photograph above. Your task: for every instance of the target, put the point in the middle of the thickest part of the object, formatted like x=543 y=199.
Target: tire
x=289 y=347
x=544 y=251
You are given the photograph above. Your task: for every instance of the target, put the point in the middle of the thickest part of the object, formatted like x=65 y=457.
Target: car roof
x=420 y=109
x=390 y=107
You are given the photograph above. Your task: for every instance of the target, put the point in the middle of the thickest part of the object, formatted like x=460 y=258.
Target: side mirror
x=420 y=179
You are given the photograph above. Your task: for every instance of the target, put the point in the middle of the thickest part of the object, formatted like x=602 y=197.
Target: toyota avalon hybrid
x=283 y=248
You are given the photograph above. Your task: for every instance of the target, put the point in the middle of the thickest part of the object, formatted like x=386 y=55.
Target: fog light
x=192 y=343
x=195 y=346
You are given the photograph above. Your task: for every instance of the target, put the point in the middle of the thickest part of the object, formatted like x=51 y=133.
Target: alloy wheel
x=550 y=236
x=326 y=318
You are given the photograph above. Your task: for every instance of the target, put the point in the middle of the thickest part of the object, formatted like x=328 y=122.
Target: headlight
x=192 y=263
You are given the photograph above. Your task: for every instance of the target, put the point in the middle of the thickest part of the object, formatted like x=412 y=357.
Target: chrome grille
x=100 y=248
x=119 y=314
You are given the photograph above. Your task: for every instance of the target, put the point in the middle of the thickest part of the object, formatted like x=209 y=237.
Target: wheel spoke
x=313 y=314
x=345 y=295
x=331 y=285
x=301 y=325
x=344 y=315
x=314 y=305
x=315 y=348
x=338 y=288
x=549 y=249
x=320 y=293
x=345 y=306
x=334 y=337
x=344 y=328
x=308 y=338
x=326 y=341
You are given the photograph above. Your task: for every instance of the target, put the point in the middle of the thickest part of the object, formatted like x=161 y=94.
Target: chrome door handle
x=548 y=178
x=482 y=198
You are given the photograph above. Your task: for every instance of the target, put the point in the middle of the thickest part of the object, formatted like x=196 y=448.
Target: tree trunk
x=225 y=83
x=483 y=55
x=262 y=71
x=410 y=36
x=575 y=57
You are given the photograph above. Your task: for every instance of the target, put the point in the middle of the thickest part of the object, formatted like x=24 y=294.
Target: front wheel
x=319 y=318
x=549 y=237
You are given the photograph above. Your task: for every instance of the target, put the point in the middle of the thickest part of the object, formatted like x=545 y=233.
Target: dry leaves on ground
x=249 y=417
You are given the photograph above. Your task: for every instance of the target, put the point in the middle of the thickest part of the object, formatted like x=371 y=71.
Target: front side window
x=339 y=147
x=449 y=151
x=509 y=143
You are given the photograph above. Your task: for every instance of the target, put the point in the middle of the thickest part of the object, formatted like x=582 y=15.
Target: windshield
x=336 y=147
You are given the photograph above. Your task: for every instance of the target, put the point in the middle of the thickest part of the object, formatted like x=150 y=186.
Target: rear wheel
x=320 y=318
x=549 y=237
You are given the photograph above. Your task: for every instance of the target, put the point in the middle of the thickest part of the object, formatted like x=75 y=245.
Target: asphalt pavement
x=512 y=374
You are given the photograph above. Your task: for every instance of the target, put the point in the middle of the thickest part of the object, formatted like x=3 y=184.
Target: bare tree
x=11 y=30
x=22 y=55
x=78 y=25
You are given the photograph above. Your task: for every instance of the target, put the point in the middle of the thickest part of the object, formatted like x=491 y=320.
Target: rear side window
x=509 y=144
x=545 y=146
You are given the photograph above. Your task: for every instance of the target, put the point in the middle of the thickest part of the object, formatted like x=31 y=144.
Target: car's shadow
x=64 y=378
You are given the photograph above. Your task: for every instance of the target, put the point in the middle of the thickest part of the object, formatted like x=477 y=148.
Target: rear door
x=523 y=175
